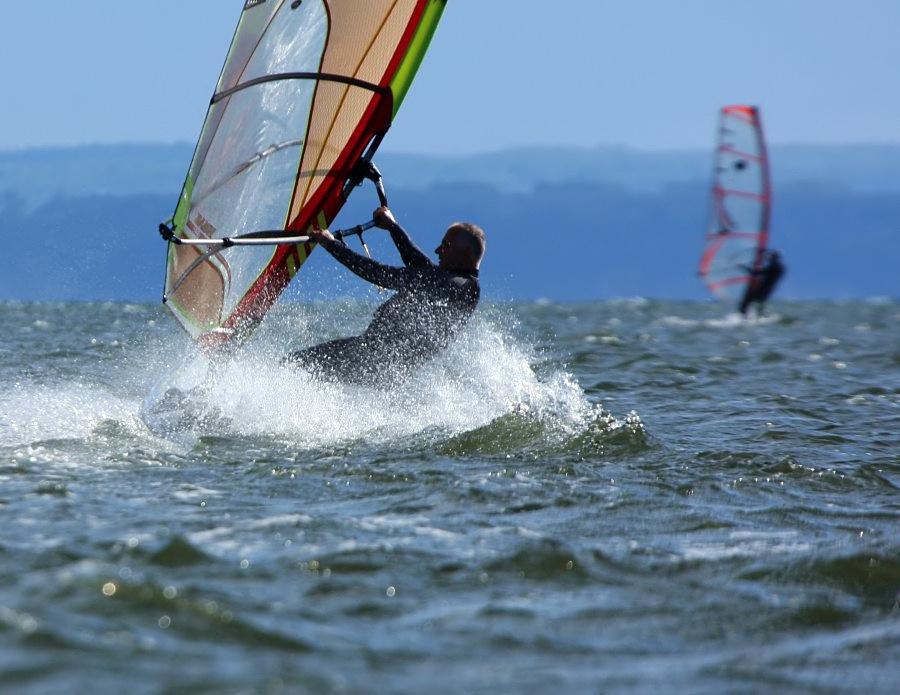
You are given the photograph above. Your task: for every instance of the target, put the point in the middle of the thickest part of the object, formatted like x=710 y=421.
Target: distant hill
x=857 y=167
x=39 y=174
x=562 y=224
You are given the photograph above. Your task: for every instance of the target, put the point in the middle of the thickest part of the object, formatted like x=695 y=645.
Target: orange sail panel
x=738 y=227
x=308 y=89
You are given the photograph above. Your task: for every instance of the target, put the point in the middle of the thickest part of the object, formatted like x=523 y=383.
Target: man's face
x=452 y=252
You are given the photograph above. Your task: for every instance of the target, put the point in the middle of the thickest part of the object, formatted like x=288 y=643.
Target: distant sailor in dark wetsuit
x=762 y=283
x=432 y=303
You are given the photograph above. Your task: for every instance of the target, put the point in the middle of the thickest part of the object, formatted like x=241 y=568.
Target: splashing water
x=485 y=375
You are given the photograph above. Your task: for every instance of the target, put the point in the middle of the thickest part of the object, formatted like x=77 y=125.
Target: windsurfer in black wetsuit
x=433 y=301
x=762 y=283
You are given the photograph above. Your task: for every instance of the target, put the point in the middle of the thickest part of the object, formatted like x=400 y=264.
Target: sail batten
x=738 y=227
x=317 y=76
x=307 y=90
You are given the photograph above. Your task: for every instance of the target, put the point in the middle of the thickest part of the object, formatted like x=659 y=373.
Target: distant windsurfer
x=433 y=301
x=762 y=282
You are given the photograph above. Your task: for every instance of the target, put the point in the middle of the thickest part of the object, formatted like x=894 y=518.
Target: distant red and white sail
x=738 y=229
x=308 y=90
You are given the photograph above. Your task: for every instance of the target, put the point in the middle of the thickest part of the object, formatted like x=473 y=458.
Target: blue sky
x=501 y=73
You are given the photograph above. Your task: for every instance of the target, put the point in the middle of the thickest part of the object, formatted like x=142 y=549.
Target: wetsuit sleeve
x=411 y=254
x=377 y=273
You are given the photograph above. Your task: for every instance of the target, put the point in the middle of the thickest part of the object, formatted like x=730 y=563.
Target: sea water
x=624 y=497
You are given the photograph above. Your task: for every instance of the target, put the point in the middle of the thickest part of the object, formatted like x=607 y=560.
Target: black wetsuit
x=429 y=308
x=762 y=284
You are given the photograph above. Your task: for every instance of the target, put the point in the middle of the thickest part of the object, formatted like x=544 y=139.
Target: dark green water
x=619 y=497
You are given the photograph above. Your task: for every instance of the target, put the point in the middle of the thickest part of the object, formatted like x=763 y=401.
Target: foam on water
x=492 y=375
x=483 y=376
x=38 y=412
x=727 y=321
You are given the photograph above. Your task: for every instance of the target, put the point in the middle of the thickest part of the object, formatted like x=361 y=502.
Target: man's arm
x=411 y=254
x=372 y=271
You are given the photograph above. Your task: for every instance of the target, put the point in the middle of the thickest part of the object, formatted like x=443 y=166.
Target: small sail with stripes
x=737 y=233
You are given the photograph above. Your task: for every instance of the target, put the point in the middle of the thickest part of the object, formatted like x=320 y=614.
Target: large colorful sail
x=738 y=229
x=307 y=91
